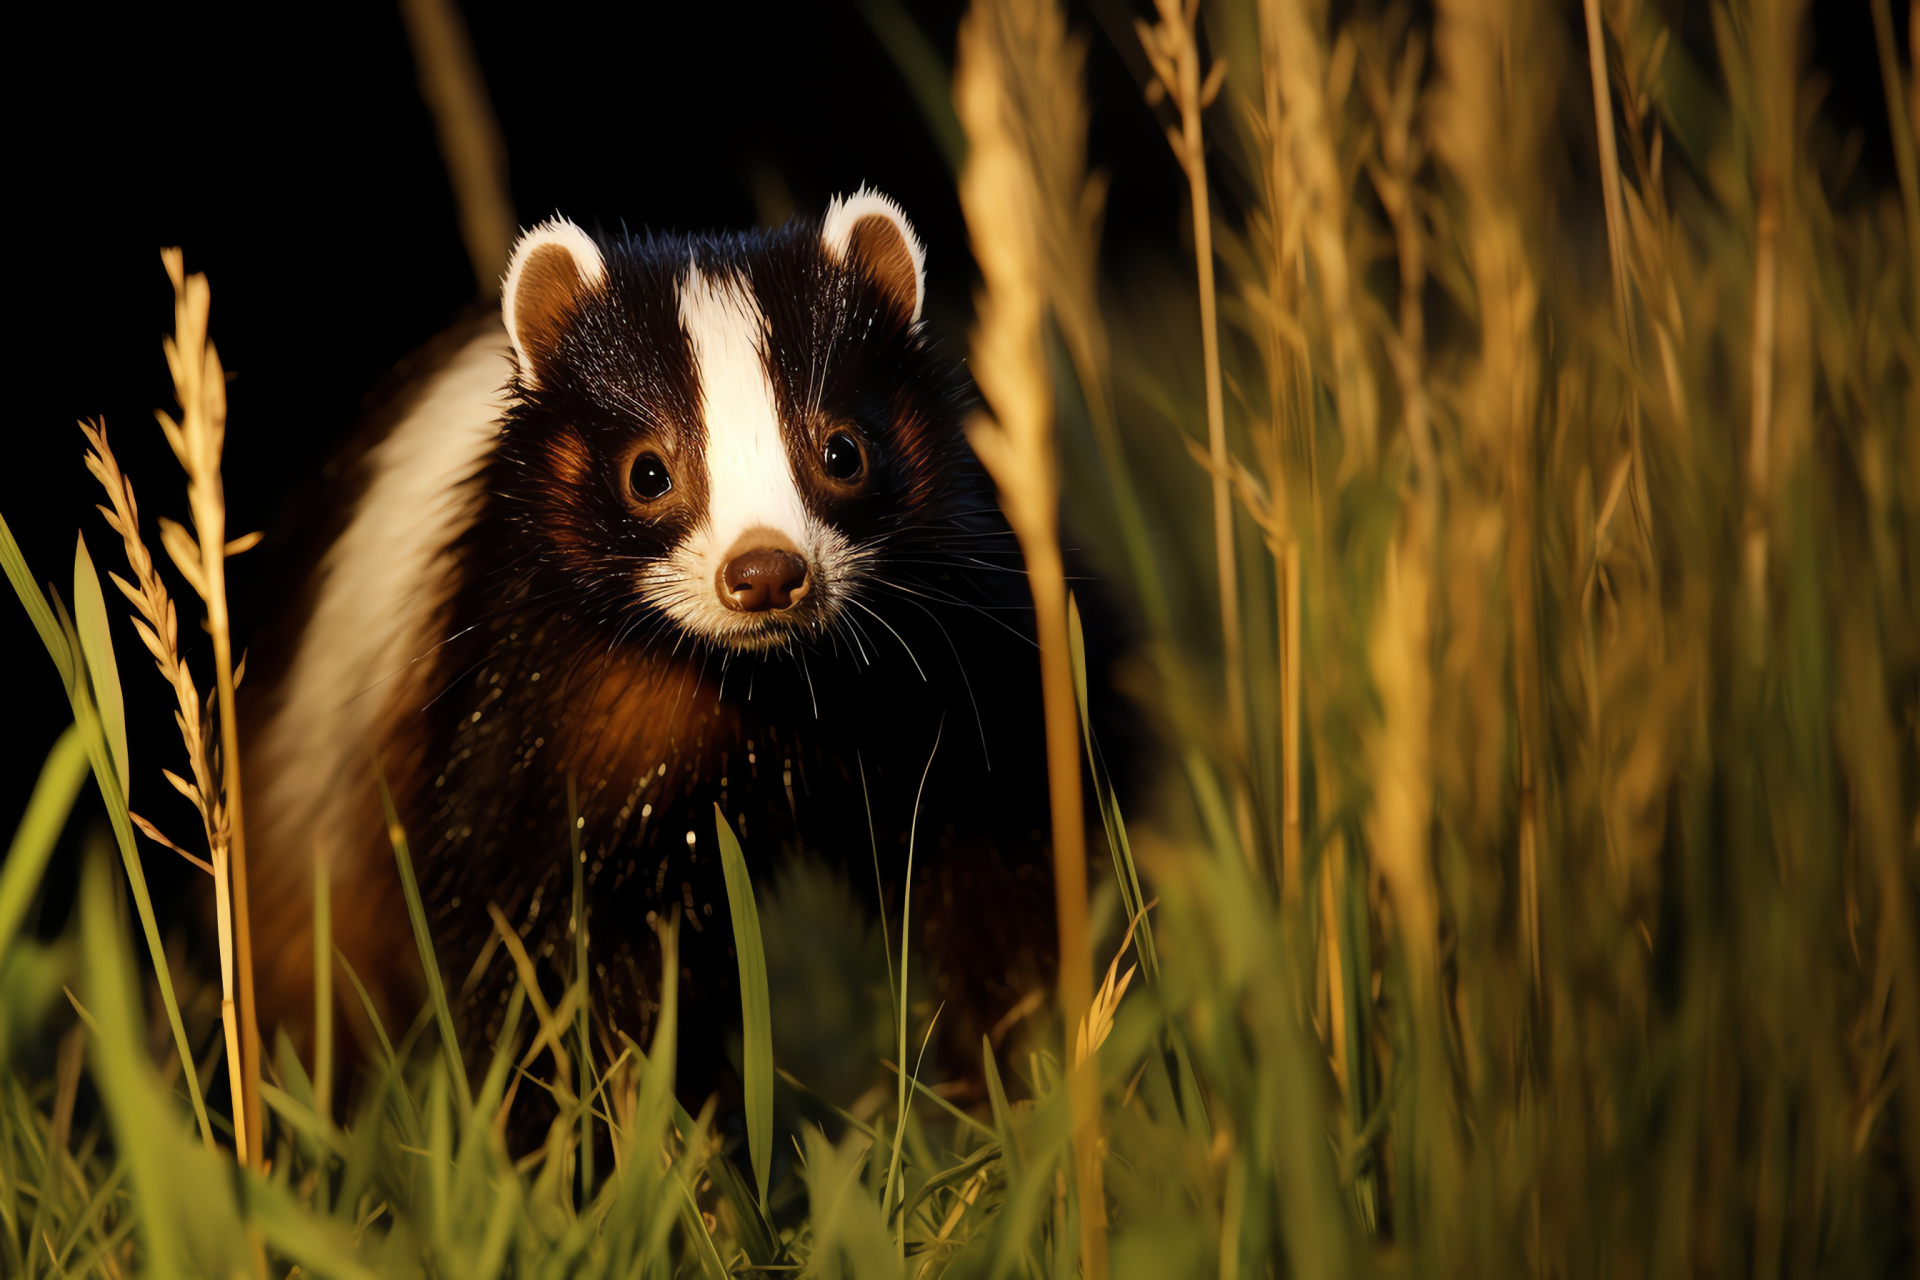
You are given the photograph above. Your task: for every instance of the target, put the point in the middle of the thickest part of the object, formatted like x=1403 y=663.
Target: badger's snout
x=763 y=578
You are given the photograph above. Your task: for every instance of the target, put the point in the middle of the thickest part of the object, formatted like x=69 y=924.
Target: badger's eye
x=842 y=457
x=649 y=478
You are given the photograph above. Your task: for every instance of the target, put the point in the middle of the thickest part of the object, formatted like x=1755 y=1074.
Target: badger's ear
x=868 y=229
x=556 y=267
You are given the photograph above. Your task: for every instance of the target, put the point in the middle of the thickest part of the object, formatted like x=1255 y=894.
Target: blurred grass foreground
x=1523 y=519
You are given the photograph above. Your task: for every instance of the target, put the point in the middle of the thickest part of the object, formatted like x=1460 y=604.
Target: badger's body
x=692 y=523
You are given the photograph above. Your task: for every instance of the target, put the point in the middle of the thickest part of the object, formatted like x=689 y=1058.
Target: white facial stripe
x=749 y=477
x=750 y=482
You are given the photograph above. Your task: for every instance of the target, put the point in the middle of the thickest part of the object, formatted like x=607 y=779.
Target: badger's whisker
x=896 y=635
x=855 y=631
x=966 y=680
x=805 y=670
x=896 y=585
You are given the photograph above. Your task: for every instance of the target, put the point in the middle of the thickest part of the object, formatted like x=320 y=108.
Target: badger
x=690 y=521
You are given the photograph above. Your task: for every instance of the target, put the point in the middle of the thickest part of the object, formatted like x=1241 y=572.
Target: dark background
x=292 y=157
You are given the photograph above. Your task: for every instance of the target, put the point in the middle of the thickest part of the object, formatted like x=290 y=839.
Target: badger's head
x=724 y=434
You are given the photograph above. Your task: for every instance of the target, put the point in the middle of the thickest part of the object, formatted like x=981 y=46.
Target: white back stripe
x=380 y=585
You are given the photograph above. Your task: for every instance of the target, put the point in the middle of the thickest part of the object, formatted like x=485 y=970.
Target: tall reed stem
x=1766 y=274
x=1000 y=195
x=1290 y=683
x=1175 y=53
x=213 y=547
x=1615 y=202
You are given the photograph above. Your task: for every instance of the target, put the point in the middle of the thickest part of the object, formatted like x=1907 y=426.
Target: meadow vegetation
x=1519 y=492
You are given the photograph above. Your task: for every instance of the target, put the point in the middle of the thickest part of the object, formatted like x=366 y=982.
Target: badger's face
x=727 y=435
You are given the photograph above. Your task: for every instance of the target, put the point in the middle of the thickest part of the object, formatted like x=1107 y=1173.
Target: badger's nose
x=762 y=579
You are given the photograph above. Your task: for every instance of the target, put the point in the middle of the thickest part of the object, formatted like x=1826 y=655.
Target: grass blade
x=132 y=1097
x=694 y=1225
x=952 y=1176
x=639 y=1217
x=1002 y=1111
x=1126 y=874
x=756 y=1006
x=1031 y=1187
x=88 y=721
x=322 y=985
x=584 y=1019
x=921 y=1087
x=363 y=1157
x=373 y=1016
x=849 y=1229
x=752 y=1232
x=38 y=832
x=96 y=642
x=317 y=1244
x=500 y=1224
x=63 y=647
x=439 y=1161
x=436 y=986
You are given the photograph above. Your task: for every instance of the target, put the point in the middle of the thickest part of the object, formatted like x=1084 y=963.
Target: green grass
x=1556 y=916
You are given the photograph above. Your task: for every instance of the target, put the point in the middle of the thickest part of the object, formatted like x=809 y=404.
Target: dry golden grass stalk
x=1174 y=52
x=1274 y=296
x=1097 y=1025
x=1614 y=194
x=1393 y=91
x=1771 y=30
x=1766 y=302
x=1279 y=228
x=1301 y=71
x=1480 y=131
x=1291 y=679
x=200 y=385
x=157 y=625
x=1647 y=248
x=1609 y=169
x=1000 y=196
x=1636 y=254
x=1615 y=203
x=1048 y=99
x=197 y=438
x=1402 y=778
x=158 y=628
x=1400 y=647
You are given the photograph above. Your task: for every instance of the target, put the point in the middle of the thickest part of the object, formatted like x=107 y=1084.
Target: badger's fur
x=692 y=522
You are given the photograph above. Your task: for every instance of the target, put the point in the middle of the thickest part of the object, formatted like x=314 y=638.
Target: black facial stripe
x=834 y=354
